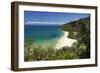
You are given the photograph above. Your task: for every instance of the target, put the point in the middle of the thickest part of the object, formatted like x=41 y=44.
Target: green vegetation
x=38 y=53
x=79 y=30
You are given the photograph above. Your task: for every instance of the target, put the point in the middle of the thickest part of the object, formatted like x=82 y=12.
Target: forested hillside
x=80 y=30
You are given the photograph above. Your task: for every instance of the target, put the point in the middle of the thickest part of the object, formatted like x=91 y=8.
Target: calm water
x=46 y=36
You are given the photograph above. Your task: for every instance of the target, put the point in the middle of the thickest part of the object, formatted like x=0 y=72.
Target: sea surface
x=43 y=35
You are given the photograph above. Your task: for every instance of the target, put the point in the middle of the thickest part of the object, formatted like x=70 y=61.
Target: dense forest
x=79 y=30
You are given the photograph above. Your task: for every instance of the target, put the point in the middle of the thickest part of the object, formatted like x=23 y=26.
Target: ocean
x=43 y=35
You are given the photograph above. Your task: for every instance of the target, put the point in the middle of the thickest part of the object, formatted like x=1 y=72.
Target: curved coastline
x=65 y=41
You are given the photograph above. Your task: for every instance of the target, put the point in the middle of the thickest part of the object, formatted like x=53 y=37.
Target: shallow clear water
x=44 y=35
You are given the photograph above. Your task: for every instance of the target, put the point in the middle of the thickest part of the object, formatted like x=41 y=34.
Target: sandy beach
x=65 y=41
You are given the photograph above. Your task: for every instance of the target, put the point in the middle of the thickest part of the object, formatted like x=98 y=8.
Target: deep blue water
x=43 y=32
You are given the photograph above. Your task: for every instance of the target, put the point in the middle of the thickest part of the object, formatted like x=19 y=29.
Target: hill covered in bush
x=80 y=30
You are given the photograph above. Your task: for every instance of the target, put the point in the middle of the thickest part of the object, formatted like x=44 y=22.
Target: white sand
x=65 y=41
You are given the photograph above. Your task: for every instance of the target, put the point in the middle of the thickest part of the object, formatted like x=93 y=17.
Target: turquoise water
x=44 y=35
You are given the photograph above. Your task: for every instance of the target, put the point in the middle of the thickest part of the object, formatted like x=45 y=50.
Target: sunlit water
x=44 y=35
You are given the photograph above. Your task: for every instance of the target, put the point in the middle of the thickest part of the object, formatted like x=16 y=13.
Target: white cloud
x=35 y=22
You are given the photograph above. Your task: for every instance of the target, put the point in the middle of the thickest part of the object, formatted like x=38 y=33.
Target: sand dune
x=65 y=41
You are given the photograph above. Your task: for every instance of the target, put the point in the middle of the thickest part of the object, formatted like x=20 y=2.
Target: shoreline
x=65 y=41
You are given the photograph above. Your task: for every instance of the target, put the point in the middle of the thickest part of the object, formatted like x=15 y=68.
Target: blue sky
x=50 y=18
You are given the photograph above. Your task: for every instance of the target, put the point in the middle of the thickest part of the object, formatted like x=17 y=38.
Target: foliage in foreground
x=39 y=54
